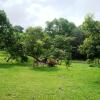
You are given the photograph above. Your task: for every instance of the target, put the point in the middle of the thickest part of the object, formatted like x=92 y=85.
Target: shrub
x=92 y=65
x=51 y=62
x=68 y=63
x=89 y=61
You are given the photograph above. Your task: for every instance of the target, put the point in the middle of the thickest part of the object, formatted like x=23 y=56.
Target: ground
x=23 y=82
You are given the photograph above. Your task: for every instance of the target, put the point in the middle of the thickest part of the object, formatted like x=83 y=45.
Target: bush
x=68 y=63
x=89 y=61
x=51 y=62
x=92 y=65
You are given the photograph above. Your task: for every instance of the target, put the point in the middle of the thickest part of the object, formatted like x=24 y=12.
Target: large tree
x=6 y=31
x=63 y=27
x=60 y=26
x=91 y=45
x=8 y=40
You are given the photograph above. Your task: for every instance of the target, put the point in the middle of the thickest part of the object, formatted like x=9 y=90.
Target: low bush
x=51 y=62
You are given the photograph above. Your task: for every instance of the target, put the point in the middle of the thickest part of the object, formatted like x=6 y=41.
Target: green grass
x=22 y=82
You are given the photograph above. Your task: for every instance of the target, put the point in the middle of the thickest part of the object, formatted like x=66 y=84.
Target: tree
x=90 y=26
x=63 y=27
x=34 y=42
x=91 y=45
x=18 y=28
x=8 y=40
x=63 y=48
x=6 y=31
x=60 y=27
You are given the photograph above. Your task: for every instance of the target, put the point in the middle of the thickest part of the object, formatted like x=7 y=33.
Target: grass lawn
x=22 y=82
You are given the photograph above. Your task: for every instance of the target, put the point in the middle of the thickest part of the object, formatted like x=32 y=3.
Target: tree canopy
x=60 y=40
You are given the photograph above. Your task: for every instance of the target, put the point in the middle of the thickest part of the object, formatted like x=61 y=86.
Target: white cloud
x=37 y=12
x=42 y=14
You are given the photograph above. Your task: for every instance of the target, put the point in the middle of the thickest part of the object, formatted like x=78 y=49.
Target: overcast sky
x=37 y=12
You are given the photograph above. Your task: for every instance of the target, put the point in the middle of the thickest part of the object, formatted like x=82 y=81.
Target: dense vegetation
x=59 y=41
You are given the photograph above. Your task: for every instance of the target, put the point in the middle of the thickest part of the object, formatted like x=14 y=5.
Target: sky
x=36 y=12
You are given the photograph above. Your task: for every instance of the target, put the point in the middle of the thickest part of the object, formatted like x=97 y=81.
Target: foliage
x=60 y=27
x=10 y=39
x=51 y=62
x=6 y=31
x=59 y=40
x=18 y=28
x=34 y=42
x=91 y=44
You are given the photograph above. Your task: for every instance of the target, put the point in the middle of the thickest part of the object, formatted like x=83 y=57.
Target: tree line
x=60 y=40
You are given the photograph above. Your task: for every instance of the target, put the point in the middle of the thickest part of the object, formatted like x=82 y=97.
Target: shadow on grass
x=40 y=68
x=11 y=65
x=47 y=69
x=97 y=82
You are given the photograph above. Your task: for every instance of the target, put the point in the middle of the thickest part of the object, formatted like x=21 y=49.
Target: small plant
x=68 y=59
x=68 y=63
